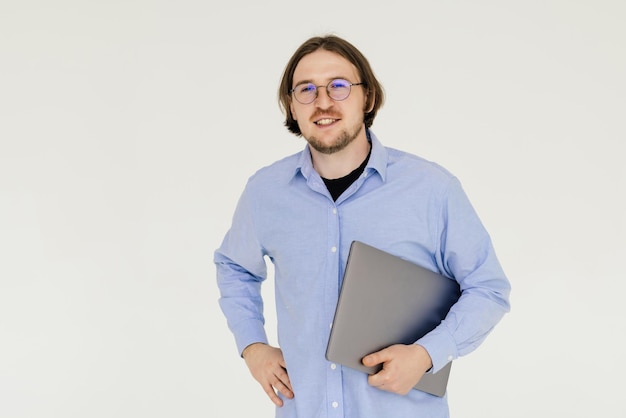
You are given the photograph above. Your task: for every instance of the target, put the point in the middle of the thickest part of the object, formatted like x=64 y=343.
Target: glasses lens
x=305 y=93
x=339 y=89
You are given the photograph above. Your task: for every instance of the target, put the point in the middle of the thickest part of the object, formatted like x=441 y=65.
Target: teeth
x=325 y=121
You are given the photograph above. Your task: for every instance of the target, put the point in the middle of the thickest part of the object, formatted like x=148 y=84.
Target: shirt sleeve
x=241 y=269
x=466 y=254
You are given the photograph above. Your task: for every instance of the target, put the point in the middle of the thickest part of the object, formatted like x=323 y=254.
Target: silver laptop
x=387 y=300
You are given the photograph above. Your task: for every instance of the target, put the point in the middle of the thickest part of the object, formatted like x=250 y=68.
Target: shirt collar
x=377 y=161
x=379 y=158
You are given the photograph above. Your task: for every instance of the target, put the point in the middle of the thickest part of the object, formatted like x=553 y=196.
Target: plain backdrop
x=129 y=128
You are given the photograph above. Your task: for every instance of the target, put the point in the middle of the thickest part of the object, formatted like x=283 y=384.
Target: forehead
x=322 y=66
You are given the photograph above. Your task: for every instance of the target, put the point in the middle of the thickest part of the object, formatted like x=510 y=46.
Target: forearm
x=466 y=326
x=241 y=302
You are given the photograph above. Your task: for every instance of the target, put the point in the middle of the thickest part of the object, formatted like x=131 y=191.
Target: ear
x=292 y=110
x=373 y=96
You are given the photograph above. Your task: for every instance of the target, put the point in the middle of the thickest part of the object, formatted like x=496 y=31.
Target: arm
x=465 y=254
x=240 y=271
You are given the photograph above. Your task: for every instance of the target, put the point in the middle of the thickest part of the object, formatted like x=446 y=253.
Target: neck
x=341 y=163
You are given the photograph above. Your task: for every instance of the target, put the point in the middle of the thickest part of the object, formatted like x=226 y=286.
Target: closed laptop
x=386 y=300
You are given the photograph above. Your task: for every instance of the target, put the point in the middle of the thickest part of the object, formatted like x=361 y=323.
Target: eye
x=339 y=84
x=306 y=88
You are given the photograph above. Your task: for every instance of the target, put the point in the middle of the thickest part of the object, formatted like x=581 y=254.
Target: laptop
x=386 y=300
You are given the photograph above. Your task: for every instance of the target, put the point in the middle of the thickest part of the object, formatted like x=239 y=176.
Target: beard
x=344 y=139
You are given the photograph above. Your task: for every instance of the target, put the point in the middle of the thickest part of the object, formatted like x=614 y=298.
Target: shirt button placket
x=335 y=390
x=333 y=249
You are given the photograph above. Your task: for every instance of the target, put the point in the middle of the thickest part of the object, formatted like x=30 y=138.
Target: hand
x=403 y=367
x=267 y=365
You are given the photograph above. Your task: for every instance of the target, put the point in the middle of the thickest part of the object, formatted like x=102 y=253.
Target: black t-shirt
x=337 y=186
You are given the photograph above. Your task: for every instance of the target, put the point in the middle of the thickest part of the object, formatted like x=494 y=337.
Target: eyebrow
x=307 y=81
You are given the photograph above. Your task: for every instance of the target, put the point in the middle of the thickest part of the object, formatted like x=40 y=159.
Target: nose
x=323 y=100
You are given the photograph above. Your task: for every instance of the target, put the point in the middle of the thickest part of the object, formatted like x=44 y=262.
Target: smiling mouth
x=325 y=122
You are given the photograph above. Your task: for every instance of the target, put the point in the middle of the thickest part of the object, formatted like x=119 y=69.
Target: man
x=303 y=212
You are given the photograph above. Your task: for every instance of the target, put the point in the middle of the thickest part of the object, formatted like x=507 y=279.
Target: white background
x=128 y=130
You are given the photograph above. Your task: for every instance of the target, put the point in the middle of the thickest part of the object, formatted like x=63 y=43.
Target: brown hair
x=332 y=43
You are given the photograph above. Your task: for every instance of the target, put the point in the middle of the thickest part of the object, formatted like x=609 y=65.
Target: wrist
x=423 y=353
x=250 y=348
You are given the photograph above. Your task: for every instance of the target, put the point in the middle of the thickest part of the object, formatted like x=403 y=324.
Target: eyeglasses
x=337 y=90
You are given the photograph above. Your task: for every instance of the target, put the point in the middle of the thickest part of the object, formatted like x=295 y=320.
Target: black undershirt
x=337 y=186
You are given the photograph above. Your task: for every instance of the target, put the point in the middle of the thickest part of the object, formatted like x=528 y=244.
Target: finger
x=375 y=358
x=269 y=390
x=283 y=377
x=283 y=389
x=370 y=360
x=379 y=379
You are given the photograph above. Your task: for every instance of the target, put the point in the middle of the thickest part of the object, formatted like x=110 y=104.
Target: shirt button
x=333 y=366
x=334 y=211
x=334 y=249
x=335 y=404
x=450 y=358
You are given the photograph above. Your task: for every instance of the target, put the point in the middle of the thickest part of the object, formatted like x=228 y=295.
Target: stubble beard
x=344 y=139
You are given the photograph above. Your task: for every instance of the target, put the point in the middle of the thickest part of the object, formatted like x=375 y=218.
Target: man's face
x=328 y=125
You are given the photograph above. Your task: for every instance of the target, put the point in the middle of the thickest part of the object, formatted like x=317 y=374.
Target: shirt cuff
x=248 y=332
x=440 y=346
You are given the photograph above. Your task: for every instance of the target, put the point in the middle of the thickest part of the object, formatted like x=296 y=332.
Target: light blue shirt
x=401 y=204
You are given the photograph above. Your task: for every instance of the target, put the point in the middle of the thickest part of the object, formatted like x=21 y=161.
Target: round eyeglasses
x=338 y=89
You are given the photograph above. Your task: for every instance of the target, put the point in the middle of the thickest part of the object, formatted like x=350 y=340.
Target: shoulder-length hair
x=332 y=43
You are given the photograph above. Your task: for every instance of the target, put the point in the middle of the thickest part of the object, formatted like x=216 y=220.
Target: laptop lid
x=386 y=300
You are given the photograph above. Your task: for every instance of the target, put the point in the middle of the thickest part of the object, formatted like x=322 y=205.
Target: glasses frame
x=317 y=91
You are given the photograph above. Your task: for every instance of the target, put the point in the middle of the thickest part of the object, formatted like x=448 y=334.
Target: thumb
x=376 y=358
